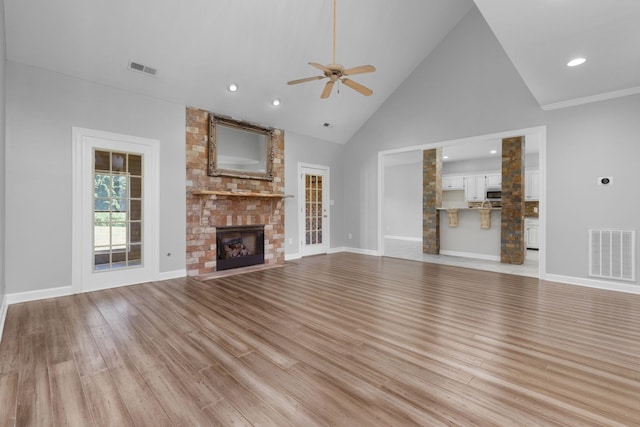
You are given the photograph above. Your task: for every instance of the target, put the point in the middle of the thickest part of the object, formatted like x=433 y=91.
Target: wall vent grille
x=136 y=66
x=612 y=254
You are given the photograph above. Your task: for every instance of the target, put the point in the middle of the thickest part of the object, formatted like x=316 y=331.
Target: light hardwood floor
x=340 y=339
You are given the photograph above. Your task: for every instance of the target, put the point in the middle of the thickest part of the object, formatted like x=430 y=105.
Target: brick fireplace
x=207 y=212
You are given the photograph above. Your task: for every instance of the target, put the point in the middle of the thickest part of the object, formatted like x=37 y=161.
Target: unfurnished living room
x=319 y=212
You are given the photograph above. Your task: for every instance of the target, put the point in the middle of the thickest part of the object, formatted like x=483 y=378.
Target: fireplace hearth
x=239 y=246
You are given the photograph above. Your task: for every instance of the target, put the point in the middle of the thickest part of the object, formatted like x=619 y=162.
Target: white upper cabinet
x=532 y=185
x=453 y=182
x=474 y=189
x=494 y=180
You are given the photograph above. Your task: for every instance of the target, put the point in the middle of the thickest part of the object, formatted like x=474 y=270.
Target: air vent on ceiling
x=136 y=66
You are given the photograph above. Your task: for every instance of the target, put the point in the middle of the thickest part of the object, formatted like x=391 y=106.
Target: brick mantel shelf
x=240 y=194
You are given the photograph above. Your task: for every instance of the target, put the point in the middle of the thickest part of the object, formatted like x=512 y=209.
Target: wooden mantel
x=239 y=194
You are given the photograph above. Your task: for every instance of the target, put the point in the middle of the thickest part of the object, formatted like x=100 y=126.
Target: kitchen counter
x=468 y=239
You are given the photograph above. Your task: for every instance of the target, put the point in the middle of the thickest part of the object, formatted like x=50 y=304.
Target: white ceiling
x=199 y=47
x=541 y=36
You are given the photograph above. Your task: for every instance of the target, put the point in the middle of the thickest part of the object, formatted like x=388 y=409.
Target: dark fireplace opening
x=239 y=246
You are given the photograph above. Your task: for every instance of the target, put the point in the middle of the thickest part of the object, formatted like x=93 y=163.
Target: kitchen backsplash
x=531 y=209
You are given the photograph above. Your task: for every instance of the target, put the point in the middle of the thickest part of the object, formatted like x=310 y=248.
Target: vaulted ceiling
x=199 y=47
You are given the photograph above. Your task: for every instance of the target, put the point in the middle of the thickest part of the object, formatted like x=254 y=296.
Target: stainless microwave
x=493 y=194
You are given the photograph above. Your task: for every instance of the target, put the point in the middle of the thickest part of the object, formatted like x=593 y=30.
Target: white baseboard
x=291 y=257
x=405 y=238
x=336 y=250
x=39 y=294
x=471 y=255
x=176 y=274
x=3 y=315
x=591 y=283
x=362 y=251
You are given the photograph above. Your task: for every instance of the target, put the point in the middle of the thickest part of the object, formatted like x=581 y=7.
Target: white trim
x=291 y=257
x=590 y=283
x=362 y=251
x=380 y=233
x=593 y=98
x=471 y=255
x=326 y=201
x=537 y=132
x=27 y=296
x=168 y=275
x=404 y=238
x=337 y=250
x=3 y=314
x=82 y=140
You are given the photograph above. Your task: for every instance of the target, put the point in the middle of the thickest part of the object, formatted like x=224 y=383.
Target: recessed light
x=494 y=151
x=233 y=87
x=445 y=157
x=575 y=62
x=275 y=102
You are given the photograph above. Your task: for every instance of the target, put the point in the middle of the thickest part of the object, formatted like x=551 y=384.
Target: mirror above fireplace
x=240 y=149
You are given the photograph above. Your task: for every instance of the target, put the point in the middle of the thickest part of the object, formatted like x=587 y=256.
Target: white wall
x=3 y=62
x=468 y=87
x=586 y=142
x=304 y=149
x=402 y=205
x=42 y=106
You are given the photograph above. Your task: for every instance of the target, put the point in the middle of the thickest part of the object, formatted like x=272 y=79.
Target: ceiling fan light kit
x=336 y=72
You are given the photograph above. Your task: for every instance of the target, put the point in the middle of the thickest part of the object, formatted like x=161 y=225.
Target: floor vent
x=612 y=254
x=136 y=66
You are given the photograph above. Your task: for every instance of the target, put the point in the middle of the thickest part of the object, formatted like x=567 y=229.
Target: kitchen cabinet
x=493 y=180
x=474 y=189
x=453 y=182
x=532 y=185
x=531 y=233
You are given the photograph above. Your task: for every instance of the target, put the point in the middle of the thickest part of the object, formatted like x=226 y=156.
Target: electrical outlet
x=535 y=210
x=290 y=241
x=350 y=236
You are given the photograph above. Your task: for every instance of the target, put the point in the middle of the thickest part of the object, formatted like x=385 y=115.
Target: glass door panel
x=118 y=216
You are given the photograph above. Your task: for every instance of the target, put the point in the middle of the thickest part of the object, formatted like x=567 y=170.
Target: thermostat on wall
x=605 y=180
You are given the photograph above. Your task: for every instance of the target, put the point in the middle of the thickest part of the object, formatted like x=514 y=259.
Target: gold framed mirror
x=240 y=149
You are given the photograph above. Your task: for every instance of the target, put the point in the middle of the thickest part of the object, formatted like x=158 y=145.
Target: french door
x=115 y=210
x=314 y=209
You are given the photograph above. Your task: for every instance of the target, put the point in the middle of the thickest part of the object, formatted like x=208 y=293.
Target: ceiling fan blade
x=327 y=89
x=358 y=87
x=359 y=70
x=320 y=67
x=308 y=79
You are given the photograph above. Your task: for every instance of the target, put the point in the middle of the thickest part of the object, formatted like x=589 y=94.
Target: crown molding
x=592 y=98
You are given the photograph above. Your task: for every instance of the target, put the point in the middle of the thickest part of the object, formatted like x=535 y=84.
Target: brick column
x=512 y=222
x=431 y=200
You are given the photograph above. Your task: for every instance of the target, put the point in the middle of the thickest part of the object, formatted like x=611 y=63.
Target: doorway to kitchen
x=400 y=203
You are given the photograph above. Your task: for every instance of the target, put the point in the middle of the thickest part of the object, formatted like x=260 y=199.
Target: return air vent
x=135 y=66
x=612 y=254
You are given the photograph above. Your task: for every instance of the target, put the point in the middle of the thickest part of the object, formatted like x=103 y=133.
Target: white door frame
x=83 y=142
x=326 y=222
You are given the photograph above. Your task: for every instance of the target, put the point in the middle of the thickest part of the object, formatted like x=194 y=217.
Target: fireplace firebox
x=239 y=246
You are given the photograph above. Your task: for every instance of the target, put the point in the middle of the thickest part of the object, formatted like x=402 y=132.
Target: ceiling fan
x=336 y=72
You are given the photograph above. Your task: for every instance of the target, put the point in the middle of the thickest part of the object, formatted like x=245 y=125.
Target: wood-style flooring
x=342 y=339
